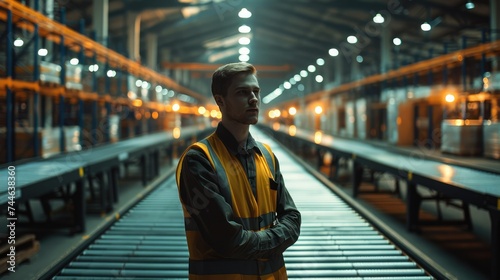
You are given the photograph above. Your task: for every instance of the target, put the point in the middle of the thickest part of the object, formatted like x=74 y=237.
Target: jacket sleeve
x=199 y=193
x=287 y=231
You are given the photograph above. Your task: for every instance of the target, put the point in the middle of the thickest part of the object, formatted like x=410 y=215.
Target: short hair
x=223 y=76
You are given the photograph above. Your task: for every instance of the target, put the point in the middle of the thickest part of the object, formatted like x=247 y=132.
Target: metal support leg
x=467 y=218
x=114 y=182
x=357 y=176
x=397 y=186
x=334 y=168
x=102 y=193
x=29 y=212
x=412 y=206
x=79 y=212
x=144 y=169
x=156 y=163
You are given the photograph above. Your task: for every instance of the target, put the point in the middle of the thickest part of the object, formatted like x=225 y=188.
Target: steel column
x=445 y=69
x=81 y=108
x=10 y=95
x=108 y=123
x=464 y=66
x=415 y=126
x=94 y=103
x=482 y=66
x=36 y=77
x=430 y=127
x=429 y=73
x=62 y=58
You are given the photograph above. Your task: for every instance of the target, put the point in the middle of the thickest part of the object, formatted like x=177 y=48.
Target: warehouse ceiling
x=287 y=36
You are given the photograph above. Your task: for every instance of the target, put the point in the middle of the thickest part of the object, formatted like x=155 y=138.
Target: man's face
x=241 y=103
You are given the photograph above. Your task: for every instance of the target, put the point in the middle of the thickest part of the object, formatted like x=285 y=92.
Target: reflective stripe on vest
x=253 y=213
x=246 y=267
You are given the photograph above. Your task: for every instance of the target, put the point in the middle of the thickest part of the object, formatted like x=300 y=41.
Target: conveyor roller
x=335 y=242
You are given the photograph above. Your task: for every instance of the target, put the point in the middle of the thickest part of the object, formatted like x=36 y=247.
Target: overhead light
x=319 y=78
x=158 y=88
x=74 y=61
x=244 y=29
x=449 y=98
x=333 y=52
x=95 y=68
x=396 y=41
x=111 y=73
x=318 y=110
x=359 y=59
x=311 y=68
x=292 y=81
x=244 y=13
x=43 y=52
x=297 y=77
x=320 y=62
x=352 y=39
x=469 y=5
x=244 y=41
x=378 y=18
x=287 y=85
x=303 y=73
x=425 y=26
x=18 y=42
x=244 y=57
x=244 y=50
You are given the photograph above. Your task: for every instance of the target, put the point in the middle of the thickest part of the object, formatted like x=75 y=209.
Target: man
x=239 y=217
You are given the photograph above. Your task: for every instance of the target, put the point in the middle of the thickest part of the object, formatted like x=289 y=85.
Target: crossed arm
x=215 y=220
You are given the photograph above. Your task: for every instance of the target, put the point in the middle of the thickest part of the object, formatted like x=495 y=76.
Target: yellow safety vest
x=253 y=214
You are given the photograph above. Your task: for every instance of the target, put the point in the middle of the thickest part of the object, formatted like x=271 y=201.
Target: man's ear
x=219 y=100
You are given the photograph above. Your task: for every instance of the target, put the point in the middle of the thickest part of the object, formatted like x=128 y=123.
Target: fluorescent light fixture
x=43 y=52
x=94 y=68
x=378 y=18
x=425 y=26
x=111 y=73
x=244 y=57
x=18 y=42
x=287 y=85
x=319 y=78
x=74 y=61
x=320 y=62
x=244 y=13
x=396 y=41
x=311 y=68
x=244 y=41
x=352 y=39
x=244 y=29
x=244 y=50
x=469 y=5
x=303 y=73
x=333 y=52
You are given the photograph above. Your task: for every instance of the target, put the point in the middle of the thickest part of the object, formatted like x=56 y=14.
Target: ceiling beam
x=212 y=67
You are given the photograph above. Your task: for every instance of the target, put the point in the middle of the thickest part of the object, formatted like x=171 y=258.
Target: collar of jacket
x=230 y=142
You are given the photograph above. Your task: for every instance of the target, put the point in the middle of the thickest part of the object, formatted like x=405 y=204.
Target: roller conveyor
x=335 y=242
